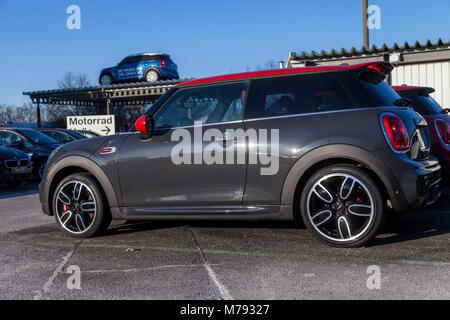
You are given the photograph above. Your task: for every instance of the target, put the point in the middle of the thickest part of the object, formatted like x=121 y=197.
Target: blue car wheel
x=106 y=79
x=151 y=76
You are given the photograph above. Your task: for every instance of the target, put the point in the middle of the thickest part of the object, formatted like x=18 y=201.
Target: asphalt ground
x=218 y=260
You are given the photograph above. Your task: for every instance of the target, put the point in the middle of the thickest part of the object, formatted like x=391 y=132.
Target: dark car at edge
x=437 y=119
x=15 y=166
x=346 y=153
x=34 y=143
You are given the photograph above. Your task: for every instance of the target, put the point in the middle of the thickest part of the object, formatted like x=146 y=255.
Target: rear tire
x=151 y=76
x=79 y=206
x=342 y=206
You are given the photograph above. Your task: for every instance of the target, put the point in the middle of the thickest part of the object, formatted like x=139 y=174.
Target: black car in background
x=62 y=135
x=15 y=166
x=37 y=145
x=87 y=134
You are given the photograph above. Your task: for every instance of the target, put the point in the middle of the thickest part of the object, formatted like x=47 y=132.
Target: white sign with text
x=102 y=125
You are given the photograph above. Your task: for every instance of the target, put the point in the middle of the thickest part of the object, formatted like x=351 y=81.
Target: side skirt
x=267 y=213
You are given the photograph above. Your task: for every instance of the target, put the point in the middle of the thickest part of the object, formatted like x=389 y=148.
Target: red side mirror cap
x=141 y=124
x=145 y=125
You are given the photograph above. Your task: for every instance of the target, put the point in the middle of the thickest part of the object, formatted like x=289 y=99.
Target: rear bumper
x=169 y=74
x=429 y=188
x=413 y=183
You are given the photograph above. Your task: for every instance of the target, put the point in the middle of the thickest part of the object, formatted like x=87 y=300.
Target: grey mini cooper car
x=333 y=147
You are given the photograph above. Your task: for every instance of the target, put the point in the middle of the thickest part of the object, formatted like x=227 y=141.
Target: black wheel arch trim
x=83 y=163
x=352 y=153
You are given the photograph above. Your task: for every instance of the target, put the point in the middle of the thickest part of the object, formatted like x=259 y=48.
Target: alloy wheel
x=106 y=80
x=76 y=207
x=151 y=76
x=340 y=207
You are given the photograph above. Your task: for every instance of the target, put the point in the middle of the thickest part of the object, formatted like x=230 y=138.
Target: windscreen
x=37 y=137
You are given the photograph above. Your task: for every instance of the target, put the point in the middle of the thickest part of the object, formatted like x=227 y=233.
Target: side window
x=5 y=139
x=8 y=138
x=210 y=104
x=292 y=95
x=129 y=60
x=58 y=136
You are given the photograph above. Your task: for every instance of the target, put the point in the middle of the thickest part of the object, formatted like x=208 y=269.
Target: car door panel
x=149 y=176
x=151 y=170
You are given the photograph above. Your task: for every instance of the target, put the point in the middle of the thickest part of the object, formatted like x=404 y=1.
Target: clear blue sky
x=204 y=37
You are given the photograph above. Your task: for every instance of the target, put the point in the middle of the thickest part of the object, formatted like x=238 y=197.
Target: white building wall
x=435 y=75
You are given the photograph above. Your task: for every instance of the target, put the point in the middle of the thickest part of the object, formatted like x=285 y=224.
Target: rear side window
x=296 y=95
x=147 y=58
x=368 y=88
x=321 y=92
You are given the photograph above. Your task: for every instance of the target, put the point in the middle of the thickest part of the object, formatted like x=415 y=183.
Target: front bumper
x=7 y=176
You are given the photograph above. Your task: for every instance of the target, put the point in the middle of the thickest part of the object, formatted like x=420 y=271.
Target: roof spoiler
x=381 y=66
x=422 y=91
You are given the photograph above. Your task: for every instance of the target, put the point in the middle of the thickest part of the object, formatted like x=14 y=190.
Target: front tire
x=79 y=206
x=40 y=169
x=106 y=79
x=342 y=206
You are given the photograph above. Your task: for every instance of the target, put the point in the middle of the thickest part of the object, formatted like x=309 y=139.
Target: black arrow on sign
x=108 y=130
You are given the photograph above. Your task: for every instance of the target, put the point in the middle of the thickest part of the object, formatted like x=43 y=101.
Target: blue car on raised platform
x=150 y=67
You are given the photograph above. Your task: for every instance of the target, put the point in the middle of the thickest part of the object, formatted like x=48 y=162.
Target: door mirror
x=145 y=125
x=17 y=144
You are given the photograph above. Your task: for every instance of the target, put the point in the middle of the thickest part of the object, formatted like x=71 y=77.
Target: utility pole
x=365 y=20
x=38 y=115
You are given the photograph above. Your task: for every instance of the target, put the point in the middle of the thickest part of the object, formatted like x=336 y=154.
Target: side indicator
x=108 y=150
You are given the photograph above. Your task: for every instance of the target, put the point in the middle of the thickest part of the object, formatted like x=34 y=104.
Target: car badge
x=108 y=150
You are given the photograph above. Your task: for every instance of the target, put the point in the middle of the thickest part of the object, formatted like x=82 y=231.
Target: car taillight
x=443 y=129
x=396 y=133
x=162 y=64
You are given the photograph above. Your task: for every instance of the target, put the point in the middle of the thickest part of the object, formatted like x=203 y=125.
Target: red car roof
x=384 y=67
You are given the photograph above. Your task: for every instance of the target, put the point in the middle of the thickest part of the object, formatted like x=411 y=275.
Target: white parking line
x=147 y=269
x=224 y=293
x=56 y=273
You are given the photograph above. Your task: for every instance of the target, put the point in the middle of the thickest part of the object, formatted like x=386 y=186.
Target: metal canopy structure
x=115 y=95
x=140 y=93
